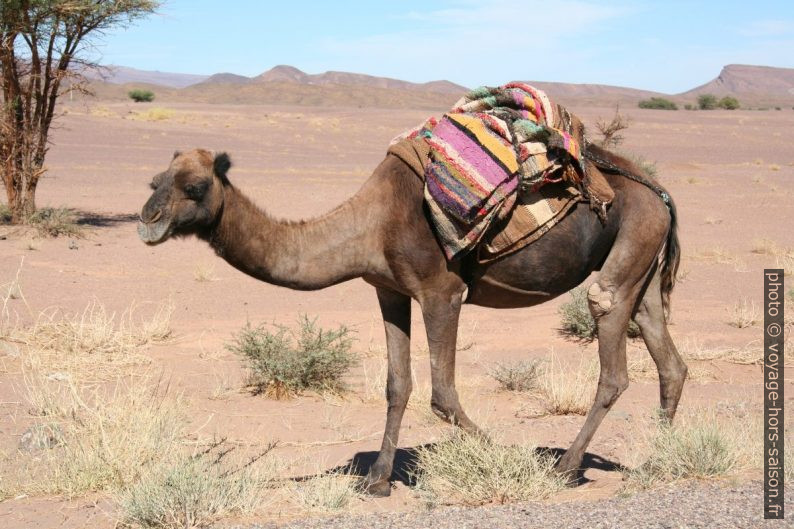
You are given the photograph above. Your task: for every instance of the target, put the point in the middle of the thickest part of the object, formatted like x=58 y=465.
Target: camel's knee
x=600 y=299
x=398 y=392
x=609 y=390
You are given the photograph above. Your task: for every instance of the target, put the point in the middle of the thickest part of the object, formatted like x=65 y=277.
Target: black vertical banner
x=774 y=297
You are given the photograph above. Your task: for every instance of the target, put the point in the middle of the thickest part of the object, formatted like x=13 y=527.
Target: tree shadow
x=103 y=220
x=405 y=462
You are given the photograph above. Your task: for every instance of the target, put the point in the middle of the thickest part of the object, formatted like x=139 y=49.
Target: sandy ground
x=731 y=174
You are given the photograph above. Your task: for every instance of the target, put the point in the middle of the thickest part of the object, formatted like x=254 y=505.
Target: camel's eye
x=196 y=191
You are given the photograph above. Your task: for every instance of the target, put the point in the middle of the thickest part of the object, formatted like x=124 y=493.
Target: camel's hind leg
x=396 y=309
x=672 y=369
x=612 y=299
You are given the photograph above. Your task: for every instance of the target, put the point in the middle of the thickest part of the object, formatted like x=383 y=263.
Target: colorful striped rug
x=495 y=144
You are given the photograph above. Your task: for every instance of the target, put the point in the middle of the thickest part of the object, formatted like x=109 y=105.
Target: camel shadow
x=405 y=464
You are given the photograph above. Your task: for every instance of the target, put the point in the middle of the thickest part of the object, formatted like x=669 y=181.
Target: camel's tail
x=672 y=258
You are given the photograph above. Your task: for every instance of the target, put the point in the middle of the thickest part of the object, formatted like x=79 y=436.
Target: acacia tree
x=43 y=48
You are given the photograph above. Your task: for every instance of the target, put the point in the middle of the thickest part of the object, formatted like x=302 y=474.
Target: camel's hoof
x=379 y=489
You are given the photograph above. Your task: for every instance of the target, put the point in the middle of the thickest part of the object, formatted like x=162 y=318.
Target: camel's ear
x=221 y=165
x=176 y=153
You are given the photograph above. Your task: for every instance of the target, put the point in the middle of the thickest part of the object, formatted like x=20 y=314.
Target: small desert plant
x=658 y=103
x=707 y=102
x=743 y=314
x=54 y=222
x=567 y=391
x=728 y=103
x=517 y=376
x=196 y=490
x=95 y=335
x=689 y=106
x=141 y=96
x=610 y=137
x=473 y=470
x=204 y=273
x=327 y=492
x=578 y=321
x=699 y=446
x=282 y=363
x=154 y=114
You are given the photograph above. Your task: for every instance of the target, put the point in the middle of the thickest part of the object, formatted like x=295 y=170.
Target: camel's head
x=187 y=197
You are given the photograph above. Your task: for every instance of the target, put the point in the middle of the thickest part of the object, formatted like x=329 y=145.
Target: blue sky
x=669 y=46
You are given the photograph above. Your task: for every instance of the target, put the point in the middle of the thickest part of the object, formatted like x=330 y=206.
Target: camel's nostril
x=154 y=217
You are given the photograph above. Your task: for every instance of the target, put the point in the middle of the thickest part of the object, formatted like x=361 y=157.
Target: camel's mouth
x=154 y=233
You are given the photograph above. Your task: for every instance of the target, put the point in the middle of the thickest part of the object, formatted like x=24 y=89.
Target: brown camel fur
x=382 y=234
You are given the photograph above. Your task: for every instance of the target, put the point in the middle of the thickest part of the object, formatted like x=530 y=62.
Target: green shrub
x=577 y=320
x=283 y=363
x=728 y=103
x=707 y=102
x=658 y=103
x=141 y=96
x=689 y=106
x=517 y=376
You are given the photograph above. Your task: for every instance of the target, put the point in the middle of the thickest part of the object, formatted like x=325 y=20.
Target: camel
x=383 y=235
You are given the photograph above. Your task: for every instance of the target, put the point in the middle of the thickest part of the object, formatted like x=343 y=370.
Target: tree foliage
x=728 y=103
x=707 y=102
x=141 y=96
x=659 y=103
x=43 y=55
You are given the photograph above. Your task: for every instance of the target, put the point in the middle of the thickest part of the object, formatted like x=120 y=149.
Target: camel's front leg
x=396 y=309
x=441 y=313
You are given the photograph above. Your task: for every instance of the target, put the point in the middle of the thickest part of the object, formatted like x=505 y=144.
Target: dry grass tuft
x=68 y=340
x=96 y=449
x=55 y=222
x=204 y=273
x=767 y=247
x=197 y=490
x=567 y=391
x=700 y=445
x=328 y=492
x=715 y=254
x=473 y=470
x=786 y=262
x=743 y=314
x=517 y=376
x=153 y=114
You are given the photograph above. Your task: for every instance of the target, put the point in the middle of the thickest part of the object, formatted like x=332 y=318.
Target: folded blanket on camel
x=493 y=150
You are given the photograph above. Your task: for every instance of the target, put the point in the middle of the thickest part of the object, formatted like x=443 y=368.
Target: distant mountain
x=290 y=74
x=122 y=74
x=227 y=78
x=750 y=83
x=592 y=94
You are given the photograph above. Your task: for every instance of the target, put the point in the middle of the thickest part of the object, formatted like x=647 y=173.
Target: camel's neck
x=304 y=255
